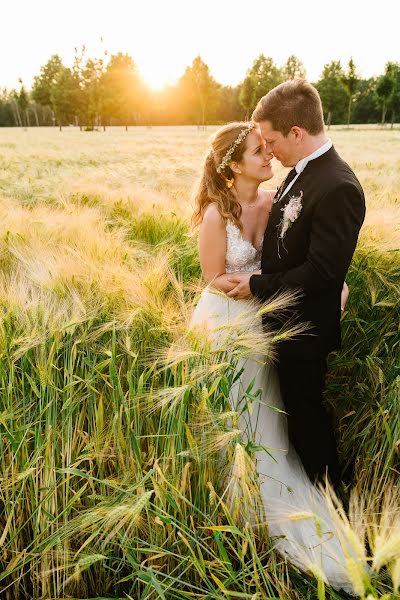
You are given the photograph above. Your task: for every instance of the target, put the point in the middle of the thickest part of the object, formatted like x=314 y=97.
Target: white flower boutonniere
x=291 y=213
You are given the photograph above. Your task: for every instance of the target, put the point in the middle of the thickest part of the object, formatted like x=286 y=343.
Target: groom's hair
x=292 y=103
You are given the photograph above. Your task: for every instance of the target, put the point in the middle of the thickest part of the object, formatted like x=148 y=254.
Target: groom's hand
x=242 y=289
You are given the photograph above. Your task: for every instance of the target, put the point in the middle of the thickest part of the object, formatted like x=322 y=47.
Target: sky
x=164 y=36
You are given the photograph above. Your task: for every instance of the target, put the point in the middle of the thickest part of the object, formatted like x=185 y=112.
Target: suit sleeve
x=334 y=231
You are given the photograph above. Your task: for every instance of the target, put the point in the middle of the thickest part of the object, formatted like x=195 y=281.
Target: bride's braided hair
x=214 y=185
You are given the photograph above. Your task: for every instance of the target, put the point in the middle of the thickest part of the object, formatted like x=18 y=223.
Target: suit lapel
x=290 y=176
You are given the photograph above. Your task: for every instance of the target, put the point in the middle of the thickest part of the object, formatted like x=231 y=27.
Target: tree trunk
x=14 y=114
x=27 y=117
x=349 y=112
x=329 y=119
x=19 y=120
x=203 y=112
x=383 y=114
x=393 y=119
x=36 y=116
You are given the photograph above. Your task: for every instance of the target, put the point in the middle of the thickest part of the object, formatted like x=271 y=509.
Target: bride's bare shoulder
x=212 y=216
x=212 y=233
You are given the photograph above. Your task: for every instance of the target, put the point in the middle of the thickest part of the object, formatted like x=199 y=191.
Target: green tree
x=22 y=99
x=43 y=83
x=77 y=85
x=383 y=91
x=6 y=112
x=366 y=108
x=333 y=93
x=350 y=80
x=15 y=108
x=246 y=96
x=260 y=79
x=121 y=89
x=92 y=87
x=388 y=91
x=229 y=107
x=199 y=91
x=89 y=93
x=393 y=71
x=293 y=68
x=63 y=97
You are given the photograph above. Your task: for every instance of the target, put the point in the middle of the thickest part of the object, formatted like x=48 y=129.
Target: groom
x=308 y=245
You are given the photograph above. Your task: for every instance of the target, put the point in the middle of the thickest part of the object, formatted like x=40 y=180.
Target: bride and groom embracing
x=255 y=243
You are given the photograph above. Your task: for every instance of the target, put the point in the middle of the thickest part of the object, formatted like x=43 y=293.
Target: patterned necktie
x=290 y=176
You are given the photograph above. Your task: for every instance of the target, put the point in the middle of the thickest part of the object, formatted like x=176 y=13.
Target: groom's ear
x=298 y=134
x=235 y=168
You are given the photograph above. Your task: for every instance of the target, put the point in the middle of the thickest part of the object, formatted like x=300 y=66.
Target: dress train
x=299 y=516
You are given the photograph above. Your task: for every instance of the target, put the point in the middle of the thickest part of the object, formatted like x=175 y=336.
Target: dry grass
x=158 y=167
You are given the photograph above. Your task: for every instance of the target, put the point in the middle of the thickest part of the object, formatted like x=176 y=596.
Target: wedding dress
x=300 y=522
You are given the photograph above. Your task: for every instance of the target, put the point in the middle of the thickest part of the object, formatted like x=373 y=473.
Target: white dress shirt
x=301 y=165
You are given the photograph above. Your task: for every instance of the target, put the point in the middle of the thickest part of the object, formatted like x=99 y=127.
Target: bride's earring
x=229 y=183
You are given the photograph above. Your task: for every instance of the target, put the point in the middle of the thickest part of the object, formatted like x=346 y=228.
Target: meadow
x=112 y=412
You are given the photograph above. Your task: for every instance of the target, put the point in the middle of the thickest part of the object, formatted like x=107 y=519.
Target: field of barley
x=113 y=413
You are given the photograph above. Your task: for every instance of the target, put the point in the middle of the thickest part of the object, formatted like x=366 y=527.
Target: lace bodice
x=241 y=255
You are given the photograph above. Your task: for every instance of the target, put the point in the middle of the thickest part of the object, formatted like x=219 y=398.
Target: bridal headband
x=242 y=135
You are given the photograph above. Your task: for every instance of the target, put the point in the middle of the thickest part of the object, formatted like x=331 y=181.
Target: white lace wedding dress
x=299 y=519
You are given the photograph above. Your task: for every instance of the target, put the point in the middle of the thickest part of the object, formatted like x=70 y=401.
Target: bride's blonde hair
x=213 y=186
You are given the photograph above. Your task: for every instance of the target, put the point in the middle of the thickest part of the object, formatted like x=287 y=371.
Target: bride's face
x=256 y=161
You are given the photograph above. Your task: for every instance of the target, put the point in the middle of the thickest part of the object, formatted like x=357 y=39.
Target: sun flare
x=158 y=75
x=157 y=81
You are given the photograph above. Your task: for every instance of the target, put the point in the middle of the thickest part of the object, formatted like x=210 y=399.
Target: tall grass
x=364 y=379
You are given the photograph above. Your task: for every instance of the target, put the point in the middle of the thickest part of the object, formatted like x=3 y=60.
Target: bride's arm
x=212 y=250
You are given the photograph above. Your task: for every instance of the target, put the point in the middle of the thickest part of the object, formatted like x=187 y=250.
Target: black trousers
x=302 y=381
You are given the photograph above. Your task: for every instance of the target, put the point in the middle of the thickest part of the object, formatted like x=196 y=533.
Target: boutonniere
x=291 y=212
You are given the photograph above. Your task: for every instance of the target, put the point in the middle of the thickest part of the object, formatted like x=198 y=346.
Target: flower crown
x=242 y=135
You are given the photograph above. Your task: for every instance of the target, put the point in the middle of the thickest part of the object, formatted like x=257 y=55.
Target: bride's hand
x=344 y=296
x=241 y=290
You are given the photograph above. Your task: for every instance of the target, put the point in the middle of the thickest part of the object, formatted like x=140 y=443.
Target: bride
x=232 y=213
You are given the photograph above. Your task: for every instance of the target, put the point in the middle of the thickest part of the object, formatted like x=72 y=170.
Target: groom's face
x=283 y=148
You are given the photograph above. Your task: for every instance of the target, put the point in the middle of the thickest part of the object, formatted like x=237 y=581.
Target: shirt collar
x=301 y=165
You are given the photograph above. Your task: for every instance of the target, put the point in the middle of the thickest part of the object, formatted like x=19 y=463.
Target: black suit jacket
x=317 y=251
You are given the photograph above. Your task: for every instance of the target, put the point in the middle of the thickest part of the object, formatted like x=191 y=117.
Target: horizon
x=162 y=52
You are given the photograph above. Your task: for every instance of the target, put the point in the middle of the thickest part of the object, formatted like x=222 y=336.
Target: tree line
x=101 y=92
